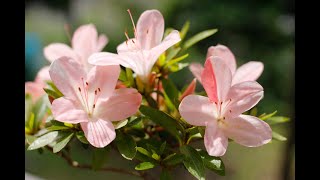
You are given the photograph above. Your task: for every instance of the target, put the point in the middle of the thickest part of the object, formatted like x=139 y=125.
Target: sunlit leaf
x=193 y=162
x=126 y=145
x=213 y=163
x=43 y=140
x=62 y=142
x=144 y=166
x=198 y=37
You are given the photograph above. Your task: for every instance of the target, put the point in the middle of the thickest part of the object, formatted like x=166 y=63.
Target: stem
x=85 y=166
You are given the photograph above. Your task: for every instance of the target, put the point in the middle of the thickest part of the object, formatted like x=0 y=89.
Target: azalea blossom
x=85 y=41
x=221 y=112
x=141 y=52
x=90 y=98
x=249 y=71
x=35 y=88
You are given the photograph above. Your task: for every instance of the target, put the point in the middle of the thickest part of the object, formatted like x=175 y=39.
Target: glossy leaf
x=193 y=162
x=126 y=145
x=144 y=166
x=43 y=140
x=213 y=163
x=267 y=116
x=81 y=137
x=198 y=37
x=120 y=124
x=173 y=159
x=278 y=136
x=57 y=128
x=62 y=143
x=277 y=120
x=184 y=30
x=100 y=157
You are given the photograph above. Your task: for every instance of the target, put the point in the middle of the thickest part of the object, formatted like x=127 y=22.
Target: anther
x=79 y=89
x=220 y=103
x=94 y=105
x=147 y=31
x=224 y=117
x=99 y=89
x=87 y=83
x=133 y=41
x=230 y=111
x=95 y=92
x=216 y=103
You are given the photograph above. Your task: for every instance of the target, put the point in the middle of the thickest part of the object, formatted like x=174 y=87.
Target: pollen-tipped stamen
x=134 y=26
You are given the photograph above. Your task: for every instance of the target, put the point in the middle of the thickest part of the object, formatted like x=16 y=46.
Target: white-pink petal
x=197 y=110
x=102 y=42
x=243 y=97
x=123 y=103
x=196 y=69
x=84 y=40
x=215 y=141
x=69 y=111
x=225 y=54
x=56 y=50
x=250 y=71
x=248 y=131
x=150 y=29
x=103 y=79
x=68 y=75
x=98 y=132
x=43 y=75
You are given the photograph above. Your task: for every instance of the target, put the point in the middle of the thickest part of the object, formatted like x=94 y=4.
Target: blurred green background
x=253 y=30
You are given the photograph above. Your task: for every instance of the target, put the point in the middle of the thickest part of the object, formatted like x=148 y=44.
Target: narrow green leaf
x=171 y=91
x=53 y=87
x=100 y=157
x=52 y=93
x=254 y=111
x=163 y=119
x=165 y=175
x=141 y=157
x=213 y=163
x=184 y=30
x=43 y=140
x=57 y=128
x=31 y=121
x=143 y=151
x=198 y=37
x=178 y=66
x=277 y=120
x=144 y=166
x=278 y=136
x=126 y=145
x=80 y=135
x=155 y=156
x=134 y=121
x=130 y=76
x=172 y=53
x=30 y=138
x=267 y=116
x=173 y=159
x=162 y=147
x=176 y=60
x=193 y=162
x=120 y=124
x=62 y=143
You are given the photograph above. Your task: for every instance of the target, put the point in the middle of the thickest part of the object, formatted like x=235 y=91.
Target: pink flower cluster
x=87 y=78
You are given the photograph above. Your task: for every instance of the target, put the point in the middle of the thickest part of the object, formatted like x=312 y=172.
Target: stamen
x=99 y=89
x=133 y=41
x=147 y=31
x=79 y=89
x=134 y=26
x=126 y=34
x=230 y=111
x=85 y=93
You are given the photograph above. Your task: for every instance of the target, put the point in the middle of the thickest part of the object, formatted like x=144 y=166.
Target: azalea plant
x=126 y=101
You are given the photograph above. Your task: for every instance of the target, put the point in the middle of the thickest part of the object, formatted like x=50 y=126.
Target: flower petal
x=56 y=50
x=197 y=110
x=150 y=28
x=190 y=89
x=122 y=104
x=215 y=141
x=243 y=97
x=99 y=133
x=67 y=75
x=250 y=71
x=43 y=75
x=170 y=40
x=102 y=42
x=196 y=69
x=216 y=79
x=84 y=41
x=129 y=45
x=66 y=110
x=225 y=54
x=105 y=78
x=106 y=58
x=35 y=89
x=248 y=131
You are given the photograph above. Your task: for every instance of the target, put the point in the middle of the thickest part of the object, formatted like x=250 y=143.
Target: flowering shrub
x=126 y=101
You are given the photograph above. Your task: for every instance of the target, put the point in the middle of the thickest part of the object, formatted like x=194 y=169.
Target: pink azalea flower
x=85 y=41
x=250 y=71
x=141 y=52
x=221 y=111
x=90 y=98
x=35 y=88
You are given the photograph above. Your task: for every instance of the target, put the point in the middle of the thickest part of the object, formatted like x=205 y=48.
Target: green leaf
x=184 y=30
x=40 y=109
x=62 y=143
x=31 y=121
x=155 y=156
x=126 y=145
x=162 y=147
x=165 y=175
x=193 y=162
x=134 y=121
x=100 y=157
x=144 y=166
x=178 y=66
x=277 y=120
x=266 y=116
x=173 y=159
x=198 y=37
x=123 y=76
x=254 y=111
x=143 y=151
x=172 y=53
x=163 y=119
x=130 y=76
x=30 y=138
x=43 y=140
x=213 y=163
x=52 y=93
x=82 y=138
x=141 y=157
x=171 y=91
x=278 y=136
x=176 y=60
x=120 y=124
x=57 y=128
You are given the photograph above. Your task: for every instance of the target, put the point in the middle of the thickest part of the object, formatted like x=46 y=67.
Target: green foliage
x=43 y=140
x=126 y=145
x=198 y=37
x=62 y=142
x=144 y=166
x=193 y=162
x=100 y=157
x=212 y=163
x=278 y=136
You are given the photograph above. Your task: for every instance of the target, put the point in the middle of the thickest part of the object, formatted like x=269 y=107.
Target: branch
x=85 y=166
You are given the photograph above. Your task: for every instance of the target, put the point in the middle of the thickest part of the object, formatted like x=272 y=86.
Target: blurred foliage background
x=253 y=30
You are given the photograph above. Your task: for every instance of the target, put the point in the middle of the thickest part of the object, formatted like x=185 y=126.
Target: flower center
x=88 y=101
x=221 y=107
